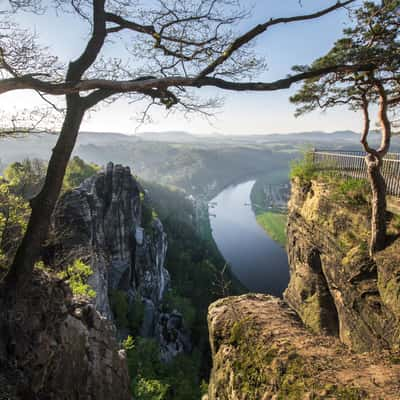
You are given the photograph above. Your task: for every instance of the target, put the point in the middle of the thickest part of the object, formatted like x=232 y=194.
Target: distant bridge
x=352 y=164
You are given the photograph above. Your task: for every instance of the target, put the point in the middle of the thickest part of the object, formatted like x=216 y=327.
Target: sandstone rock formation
x=262 y=351
x=335 y=286
x=65 y=350
x=101 y=222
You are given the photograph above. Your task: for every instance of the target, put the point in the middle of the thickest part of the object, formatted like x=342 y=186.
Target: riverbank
x=255 y=259
x=269 y=197
x=274 y=224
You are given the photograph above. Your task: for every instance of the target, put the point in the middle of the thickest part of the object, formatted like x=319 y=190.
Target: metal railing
x=352 y=164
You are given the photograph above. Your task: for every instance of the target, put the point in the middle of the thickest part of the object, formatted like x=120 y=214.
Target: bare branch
x=261 y=28
x=148 y=83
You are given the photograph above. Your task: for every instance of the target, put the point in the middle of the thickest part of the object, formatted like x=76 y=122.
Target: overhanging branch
x=149 y=83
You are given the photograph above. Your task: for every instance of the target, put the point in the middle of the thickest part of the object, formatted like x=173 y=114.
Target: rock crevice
x=335 y=286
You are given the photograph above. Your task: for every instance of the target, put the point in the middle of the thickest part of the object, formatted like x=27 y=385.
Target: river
x=255 y=259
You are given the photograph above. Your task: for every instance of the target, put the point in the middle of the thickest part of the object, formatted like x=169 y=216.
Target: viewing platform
x=352 y=164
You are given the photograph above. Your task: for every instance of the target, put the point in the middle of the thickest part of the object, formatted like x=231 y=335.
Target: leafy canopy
x=372 y=39
x=77 y=171
x=14 y=214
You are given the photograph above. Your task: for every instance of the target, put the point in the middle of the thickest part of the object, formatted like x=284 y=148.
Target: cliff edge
x=262 y=351
x=335 y=286
x=336 y=334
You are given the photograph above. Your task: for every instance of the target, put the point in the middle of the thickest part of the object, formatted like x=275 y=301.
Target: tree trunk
x=378 y=217
x=43 y=204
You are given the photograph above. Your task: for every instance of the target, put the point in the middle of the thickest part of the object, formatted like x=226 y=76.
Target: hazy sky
x=268 y=112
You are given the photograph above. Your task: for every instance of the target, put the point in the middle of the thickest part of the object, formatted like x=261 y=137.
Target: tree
x=179 y=45
x=26 y=178
x=373 y=39
x=14 y=214
x=77 y=171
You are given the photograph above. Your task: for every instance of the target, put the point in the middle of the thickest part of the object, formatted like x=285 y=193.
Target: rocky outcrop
x=101 y=222
x=64 y=349
x=172 y=335
x=262 y=351
x=335 y=286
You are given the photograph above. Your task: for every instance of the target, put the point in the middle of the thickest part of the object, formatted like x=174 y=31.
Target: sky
x=242 y=113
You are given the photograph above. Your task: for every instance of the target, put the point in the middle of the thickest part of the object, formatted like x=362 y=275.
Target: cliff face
x=261 y=348
x=335 y=286
x=261 y=351
x=67 y=347
x=64 y=349
x=101 y=222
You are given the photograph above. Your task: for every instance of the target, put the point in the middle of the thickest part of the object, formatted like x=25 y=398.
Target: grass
x=274 y=223
x=303 y=168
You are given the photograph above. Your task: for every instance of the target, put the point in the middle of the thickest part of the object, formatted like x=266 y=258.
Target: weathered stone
x=172 y=336
x=261 y=350
x=101 y=222
x=65 y=350
x=335 y=286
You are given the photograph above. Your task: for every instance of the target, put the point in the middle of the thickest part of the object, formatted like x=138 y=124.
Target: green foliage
x=135 y=315
x=26 y=178
x=153 y=379
x=372 y=39
x=354 y=191
x=127 y=315
x=304 y=169
x=396 y=221
x=237 y=332
x=193 y=263
x=204 y=388
x=77 y=171
x=14 y=215
x=77 y=275
x=119 y=307
x=150 y=389
x=173 y=301
x=274 y=223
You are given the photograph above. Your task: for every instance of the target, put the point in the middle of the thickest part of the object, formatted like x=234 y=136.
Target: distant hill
x=199 y=164
x=169 y=136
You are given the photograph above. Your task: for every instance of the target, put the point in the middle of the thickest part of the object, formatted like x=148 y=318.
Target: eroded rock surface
x=335 y=286
x=101 y=222
x=65 y=350
x=262 y=351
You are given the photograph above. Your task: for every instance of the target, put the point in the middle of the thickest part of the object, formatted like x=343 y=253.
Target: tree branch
x=78 y=67
x=261 y=28
x=147 y=83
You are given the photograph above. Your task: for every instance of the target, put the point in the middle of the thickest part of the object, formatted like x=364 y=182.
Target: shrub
x=153 y=379
x=119 y=307
x=127 y=315
x=135 y=315
x=77 y=171
x=150 y=389
x=14 y=215
x=354 y=191
x=77 y=275
x=304 y=169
